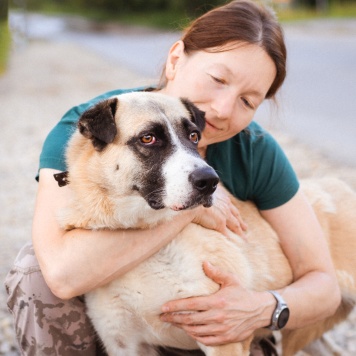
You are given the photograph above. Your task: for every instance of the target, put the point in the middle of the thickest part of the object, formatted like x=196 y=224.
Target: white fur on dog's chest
x=133 y=299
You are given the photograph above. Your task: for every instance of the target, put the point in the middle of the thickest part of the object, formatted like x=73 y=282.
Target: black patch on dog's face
x=184 y=129
x=152 y=157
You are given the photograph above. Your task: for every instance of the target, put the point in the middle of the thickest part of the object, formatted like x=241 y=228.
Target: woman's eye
x=148 y=139
x=218 y=80
x=247 y=103
x=194 y=137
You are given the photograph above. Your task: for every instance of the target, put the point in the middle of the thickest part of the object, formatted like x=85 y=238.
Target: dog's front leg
x=236 y=349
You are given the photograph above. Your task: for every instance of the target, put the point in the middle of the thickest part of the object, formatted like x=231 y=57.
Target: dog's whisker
x=154 y=192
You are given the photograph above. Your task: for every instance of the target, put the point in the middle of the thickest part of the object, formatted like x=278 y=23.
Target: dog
x=133 y=163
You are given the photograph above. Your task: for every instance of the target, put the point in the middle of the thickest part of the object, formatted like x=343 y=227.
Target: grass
x=5 y=42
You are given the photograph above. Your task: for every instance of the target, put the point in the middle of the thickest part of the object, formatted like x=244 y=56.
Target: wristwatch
x=280 y=315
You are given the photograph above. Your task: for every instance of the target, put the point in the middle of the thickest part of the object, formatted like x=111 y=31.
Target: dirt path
x=43 y=81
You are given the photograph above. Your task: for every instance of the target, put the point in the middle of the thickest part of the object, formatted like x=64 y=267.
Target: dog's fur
x=120 y=178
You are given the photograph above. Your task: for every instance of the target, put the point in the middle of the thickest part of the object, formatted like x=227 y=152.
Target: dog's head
x=144 y=144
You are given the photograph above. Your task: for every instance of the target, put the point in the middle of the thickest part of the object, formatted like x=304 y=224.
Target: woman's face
x=228 y=86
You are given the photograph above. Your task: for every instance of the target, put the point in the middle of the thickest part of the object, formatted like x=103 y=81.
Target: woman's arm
x=305 y=246
x=233 y=313
x=78 y=261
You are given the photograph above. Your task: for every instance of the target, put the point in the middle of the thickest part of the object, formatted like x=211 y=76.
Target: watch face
x=283 y=318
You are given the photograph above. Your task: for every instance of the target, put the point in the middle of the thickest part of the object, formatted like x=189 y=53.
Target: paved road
x=318 y=101
x=320 y=91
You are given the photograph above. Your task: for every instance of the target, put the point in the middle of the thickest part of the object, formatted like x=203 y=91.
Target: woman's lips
x=211 y=125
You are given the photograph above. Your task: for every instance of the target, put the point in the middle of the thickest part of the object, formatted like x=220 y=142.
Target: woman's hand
x=223 y=215
x=230 y=315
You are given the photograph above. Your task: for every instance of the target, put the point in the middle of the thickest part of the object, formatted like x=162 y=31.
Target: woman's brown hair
x=240 y=21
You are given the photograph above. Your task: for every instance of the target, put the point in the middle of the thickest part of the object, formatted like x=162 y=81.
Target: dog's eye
x=148 y=139
x=194 y=137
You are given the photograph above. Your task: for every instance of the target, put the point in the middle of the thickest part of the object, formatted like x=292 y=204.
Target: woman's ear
x=174 y=55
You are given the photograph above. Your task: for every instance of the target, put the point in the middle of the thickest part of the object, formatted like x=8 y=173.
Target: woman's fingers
x=222 y=216
x=234 y=221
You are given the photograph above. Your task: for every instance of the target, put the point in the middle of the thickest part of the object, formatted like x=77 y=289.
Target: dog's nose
x=205 y=180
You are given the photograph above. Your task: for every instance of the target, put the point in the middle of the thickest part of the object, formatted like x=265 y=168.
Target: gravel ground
x=44 y=79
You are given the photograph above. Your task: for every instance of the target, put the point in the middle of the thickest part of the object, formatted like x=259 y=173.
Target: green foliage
x=126 y=6
x=5 y=37
x=175 y=14
x=5 y=42
x=335 y=9
x=156 y=13
x=172 y=20
x=3 y=9
x=191 y=6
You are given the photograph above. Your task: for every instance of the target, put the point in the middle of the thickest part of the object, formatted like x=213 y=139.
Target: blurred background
x=58 y=53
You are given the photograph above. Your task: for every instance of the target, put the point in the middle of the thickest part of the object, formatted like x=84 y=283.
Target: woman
x=227 y=62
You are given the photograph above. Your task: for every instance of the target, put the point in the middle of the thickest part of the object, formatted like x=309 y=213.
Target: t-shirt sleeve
x=253 y=166
x=274 y=181
x=53 y=150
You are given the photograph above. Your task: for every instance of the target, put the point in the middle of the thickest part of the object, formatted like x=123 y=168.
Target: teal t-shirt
x=251 y=164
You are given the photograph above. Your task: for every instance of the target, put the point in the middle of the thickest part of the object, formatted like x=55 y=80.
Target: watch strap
x=281 y=306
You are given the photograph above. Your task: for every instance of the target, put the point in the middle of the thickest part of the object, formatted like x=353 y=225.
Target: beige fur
x=126 y=311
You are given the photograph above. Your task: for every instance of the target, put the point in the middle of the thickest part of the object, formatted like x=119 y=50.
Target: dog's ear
x=98 y=123
x=197 y=116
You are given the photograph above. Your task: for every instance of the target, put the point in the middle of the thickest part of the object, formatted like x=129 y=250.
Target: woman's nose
x=224 y=106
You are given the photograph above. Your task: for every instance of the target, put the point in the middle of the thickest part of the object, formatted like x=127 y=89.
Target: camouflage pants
x=47 y=325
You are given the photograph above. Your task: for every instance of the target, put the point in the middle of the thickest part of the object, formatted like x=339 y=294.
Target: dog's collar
x=61 y=178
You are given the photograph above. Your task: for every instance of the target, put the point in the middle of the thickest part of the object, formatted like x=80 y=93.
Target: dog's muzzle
x=204 y=180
